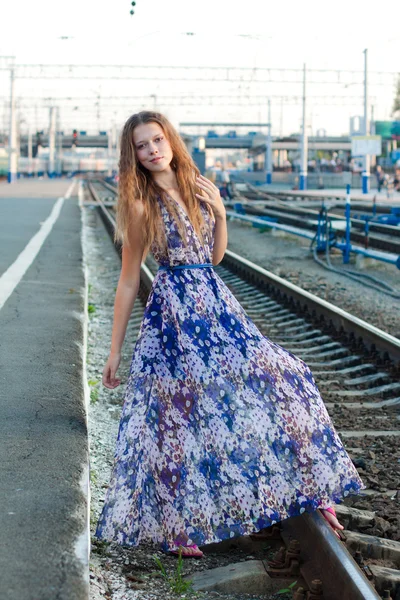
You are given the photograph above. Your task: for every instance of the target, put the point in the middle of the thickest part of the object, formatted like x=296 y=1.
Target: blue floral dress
x=222 y=431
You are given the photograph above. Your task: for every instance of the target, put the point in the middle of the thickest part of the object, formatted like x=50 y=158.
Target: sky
x=251 y=34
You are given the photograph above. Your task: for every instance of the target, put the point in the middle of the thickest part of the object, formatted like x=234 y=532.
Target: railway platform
x=44 y=533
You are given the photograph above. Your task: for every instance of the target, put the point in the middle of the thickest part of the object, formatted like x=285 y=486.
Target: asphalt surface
x=43 y=432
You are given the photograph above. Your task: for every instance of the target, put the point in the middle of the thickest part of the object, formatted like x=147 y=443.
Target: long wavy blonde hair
x=137 y=184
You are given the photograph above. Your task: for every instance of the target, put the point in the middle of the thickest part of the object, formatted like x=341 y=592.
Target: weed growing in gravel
x=91 y=308
x=94 y=395
x=175 y=581
x=89 y=288
x=288 y=589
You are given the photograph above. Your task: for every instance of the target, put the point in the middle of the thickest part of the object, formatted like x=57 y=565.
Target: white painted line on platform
x=80 y=193
x=70 y=189
x=15 y=272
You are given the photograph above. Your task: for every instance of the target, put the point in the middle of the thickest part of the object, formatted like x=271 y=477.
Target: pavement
x=44 y=529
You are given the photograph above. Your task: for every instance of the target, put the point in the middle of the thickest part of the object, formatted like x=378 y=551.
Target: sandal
x=194 y=551
x=332 y=511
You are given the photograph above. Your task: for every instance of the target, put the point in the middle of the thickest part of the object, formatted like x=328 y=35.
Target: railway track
x=357 y=368
x=274 y=204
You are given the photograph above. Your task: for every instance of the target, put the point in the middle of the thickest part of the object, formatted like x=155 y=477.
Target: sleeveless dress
x=222 y=431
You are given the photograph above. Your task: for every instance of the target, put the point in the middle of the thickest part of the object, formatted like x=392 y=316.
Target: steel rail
x=313 y=213
x=307 y=304
x=307 y=219
x=326 y=558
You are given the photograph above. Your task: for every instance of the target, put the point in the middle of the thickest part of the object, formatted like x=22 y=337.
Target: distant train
x=40 y=166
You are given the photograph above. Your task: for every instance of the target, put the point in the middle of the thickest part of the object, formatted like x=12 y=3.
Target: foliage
x=175 y=581
x=94 y=395
x=288 y=589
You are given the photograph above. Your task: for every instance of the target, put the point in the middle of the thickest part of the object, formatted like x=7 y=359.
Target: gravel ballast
x=289 y=257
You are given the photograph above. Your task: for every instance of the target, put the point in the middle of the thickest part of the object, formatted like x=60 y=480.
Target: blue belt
x=175 y=267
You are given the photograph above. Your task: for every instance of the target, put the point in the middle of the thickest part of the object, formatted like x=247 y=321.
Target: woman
x=222 y=431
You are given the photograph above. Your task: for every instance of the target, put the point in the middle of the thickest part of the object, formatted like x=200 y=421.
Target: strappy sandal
x=195 y=551
x=332 y=511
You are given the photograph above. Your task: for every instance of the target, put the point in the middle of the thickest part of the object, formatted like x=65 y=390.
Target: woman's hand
x=212 y=196
x=109 y=371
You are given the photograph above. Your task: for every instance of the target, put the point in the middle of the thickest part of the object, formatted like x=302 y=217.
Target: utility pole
x=29 y=151
x=304 y=140
x=366 y=173
x=12 y=137
x=58 y=144
x=372 y=122
x=114 y=147
x=269 y=146
x=52 y=142
x=109 y=152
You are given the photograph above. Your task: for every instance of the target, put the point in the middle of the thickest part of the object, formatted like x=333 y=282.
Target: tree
x=396 y=102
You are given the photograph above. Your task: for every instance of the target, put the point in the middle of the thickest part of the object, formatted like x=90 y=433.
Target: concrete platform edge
x=82 y=543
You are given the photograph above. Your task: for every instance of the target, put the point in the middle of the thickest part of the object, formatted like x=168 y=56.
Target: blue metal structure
x=393 y=218
x=346 y=253
x=365 y=182
x=325 y=235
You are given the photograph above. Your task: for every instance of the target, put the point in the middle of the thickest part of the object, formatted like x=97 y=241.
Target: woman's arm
x=220 y=239
x=213 y=198
x=127 y=290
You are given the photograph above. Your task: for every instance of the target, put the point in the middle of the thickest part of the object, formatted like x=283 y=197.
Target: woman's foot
x=192 y=551
x=329 y=515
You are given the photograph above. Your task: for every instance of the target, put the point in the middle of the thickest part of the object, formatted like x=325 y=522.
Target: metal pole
x=114 y=148
x=346 y=251
x=18 y=139
x=12 y=138
x=52 y=144
x=269 y=146
x=366 y=174
x=29 y=151
x=304 y=140
x=372 y=128
x=117 y=144
x=109 y=153
x=58 y=144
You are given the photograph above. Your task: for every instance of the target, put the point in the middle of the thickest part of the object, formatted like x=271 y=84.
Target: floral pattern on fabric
x=222 y=431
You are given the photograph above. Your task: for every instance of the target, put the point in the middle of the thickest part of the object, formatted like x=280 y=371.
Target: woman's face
x=153 y=150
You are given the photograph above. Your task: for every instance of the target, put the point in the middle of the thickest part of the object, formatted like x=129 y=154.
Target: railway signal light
x=132 y=11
